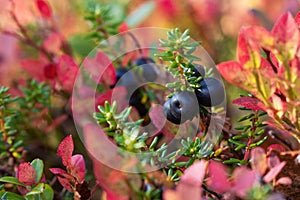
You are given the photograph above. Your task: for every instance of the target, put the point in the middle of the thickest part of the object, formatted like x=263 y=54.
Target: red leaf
x=35 y=68
x=65 y=183
x=218 y=179
x=261 y=36
x=243 y=180
x=284 y=181
x=65 y=150
x=275 y=147
x=66 y=72
x=271 y=175
x=190 y=183
x=58 y=171
x=169 y=8
x=26 y=174
x=194 y=175
x=77 y=167
x=273 y=161
x=157 y=117
x=53 y=43
x=233 y=72
x=44 y=8
x=119 y=94
x=247 y=51
x=101 y=68
x=297 y=19
x=61 y=173
x=286 y=33
x=102 y=173
x=123 y=27
x=50 y=71
x=248 y=102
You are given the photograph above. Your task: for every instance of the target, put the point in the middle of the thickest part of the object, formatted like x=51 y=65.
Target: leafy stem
x=179 y=49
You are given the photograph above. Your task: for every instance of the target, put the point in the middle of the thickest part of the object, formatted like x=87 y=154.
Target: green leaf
x=81 y=45
x=38 y=165
x=10 y=196
x=11 y=179
x=232 y=161
x=41 y=191
x=140 y=13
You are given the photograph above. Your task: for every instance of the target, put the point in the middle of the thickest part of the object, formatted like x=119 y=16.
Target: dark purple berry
x=181 y=107
x=148 y=66
x=199 y=70
x=120 y=72
x=211 y=92
x=168 y=114
x=135 y=100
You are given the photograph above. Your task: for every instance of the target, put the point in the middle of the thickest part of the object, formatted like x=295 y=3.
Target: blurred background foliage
x=216 y=23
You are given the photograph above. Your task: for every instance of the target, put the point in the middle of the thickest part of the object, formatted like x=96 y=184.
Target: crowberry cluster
x=182 y=106
x=131 y=79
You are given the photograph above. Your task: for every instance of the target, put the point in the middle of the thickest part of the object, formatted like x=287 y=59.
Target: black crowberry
x=199 y=70
x=148 y=67
x=211 y=92
x=181 y=107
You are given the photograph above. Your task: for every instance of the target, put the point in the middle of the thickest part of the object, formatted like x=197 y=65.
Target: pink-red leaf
x=26 y=174
x=61 y=173
x=123 y=27
x=58 y=171
x=297 y=19
x=275 y=147
x=157 y=117
x=271 y=175
x=247 y=51
x=65 y=183
x=261 y=36
x=44 y=8
x=259 y=160
x=50 y=71
x=286 y=33
x=273 y=161
x=65 y=150
x=284 y=181
x=53 y=43
x=248 y=102
x=243 y=180
x=190 y=183
x=119 y=94
x=66 y=72
x=233 y=72
x=101 y=68
x=35 y=68
x=194 y=175
x=77 y=167
x=218 y=177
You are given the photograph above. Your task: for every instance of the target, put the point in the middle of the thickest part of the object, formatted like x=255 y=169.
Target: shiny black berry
x=181 y=107
x=199 y=70
x=211 y=92
x=120 y=72
x=168 y=114
x=135 y=100
x=129 y=80
x=148 y=66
